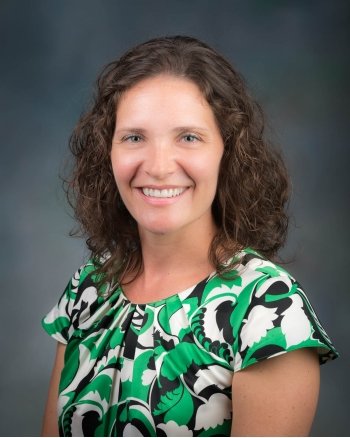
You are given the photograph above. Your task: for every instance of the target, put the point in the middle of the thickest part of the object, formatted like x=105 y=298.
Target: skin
x=181 y=149
x=276 y=397
x=50 y=424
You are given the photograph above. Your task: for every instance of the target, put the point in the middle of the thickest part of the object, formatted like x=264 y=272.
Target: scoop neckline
x=240 y=254
x=171 y=297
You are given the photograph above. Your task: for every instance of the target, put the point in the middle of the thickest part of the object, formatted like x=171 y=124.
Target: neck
x=171 y=263
x=175 y=252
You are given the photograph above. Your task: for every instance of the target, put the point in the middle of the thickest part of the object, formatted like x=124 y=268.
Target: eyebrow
x=131 y=129
x=190 y=128
x=178 y=129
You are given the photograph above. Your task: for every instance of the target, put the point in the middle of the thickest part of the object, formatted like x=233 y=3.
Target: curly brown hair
x=253 y=186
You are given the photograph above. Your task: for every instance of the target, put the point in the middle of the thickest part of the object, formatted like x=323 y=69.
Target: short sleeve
x=61 y=321
x=274 y=317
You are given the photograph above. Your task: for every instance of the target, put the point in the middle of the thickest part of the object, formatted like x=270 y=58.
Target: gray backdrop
x=295 y=56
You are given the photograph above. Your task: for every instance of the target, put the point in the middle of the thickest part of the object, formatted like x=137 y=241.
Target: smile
x=164 y=193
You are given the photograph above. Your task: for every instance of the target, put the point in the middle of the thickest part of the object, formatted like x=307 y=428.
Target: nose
x=160 y=161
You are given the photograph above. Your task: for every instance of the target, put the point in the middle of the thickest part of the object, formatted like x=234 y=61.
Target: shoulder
x=79 y=300
x=88 y=291
x=252 y=276
x=251 y=263
x=86 y=281
x=261 y=278
x=259 y=310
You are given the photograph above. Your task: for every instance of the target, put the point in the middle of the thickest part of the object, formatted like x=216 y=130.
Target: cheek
x=124 y=167
x=207 y=168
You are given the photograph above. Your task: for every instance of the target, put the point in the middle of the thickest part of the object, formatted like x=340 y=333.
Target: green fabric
x=166 y=368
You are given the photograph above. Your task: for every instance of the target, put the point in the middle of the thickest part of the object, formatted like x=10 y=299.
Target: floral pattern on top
x=166 y=368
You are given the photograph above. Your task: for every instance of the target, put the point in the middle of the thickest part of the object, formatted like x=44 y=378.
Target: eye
x=190 y=138
x=132 y=138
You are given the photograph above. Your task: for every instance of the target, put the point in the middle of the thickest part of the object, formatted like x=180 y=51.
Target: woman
x=165 y=330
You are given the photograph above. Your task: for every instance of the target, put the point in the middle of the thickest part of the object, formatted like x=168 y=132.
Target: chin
x=160 y=229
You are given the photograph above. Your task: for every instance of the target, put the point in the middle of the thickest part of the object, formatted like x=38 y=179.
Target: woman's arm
x=50 y=423
x=276 y=397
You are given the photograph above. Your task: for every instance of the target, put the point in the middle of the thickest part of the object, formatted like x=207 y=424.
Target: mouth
x=162 y=193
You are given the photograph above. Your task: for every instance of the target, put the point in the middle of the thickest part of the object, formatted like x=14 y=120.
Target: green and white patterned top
x=165 y=368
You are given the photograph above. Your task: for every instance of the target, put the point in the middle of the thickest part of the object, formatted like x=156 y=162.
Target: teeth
x=165 y=193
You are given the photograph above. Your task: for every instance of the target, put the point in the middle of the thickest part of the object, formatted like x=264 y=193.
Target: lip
x=157 y=200
x=162 y=187
x=162 y=193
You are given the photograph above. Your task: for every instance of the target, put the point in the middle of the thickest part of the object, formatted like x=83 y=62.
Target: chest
x=142 y=371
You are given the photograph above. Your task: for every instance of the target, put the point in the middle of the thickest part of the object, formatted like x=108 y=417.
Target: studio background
x=295 y=57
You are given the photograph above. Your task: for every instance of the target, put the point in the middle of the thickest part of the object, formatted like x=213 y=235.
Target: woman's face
x=166 y=153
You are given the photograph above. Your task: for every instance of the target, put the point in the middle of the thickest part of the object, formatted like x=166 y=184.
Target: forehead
x=164 y=96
